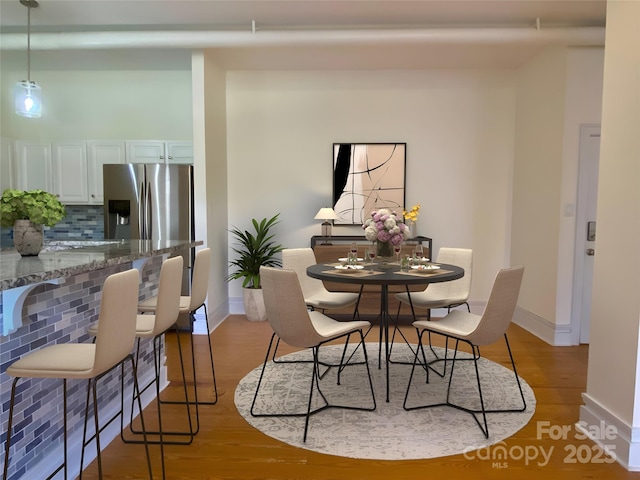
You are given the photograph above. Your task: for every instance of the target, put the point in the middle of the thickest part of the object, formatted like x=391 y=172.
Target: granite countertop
x=64 y=259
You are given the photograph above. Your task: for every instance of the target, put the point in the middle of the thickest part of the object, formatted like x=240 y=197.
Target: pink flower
x=397 y=239
x=384 y=236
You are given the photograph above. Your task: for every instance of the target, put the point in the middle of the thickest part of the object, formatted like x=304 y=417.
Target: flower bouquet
x=386 y=230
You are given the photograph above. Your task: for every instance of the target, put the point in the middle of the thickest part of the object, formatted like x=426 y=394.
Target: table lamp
x=326 y=214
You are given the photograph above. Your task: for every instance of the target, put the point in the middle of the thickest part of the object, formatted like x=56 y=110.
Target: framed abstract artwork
x=367 y=176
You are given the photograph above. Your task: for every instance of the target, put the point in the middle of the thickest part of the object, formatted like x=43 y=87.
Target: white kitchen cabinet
x=70 y=172
x=180 y=153
x=158 y=151
x=6 y=164
x=33 y=165
x=99 y=153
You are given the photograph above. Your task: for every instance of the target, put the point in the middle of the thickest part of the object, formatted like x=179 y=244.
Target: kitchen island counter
x=64 y=259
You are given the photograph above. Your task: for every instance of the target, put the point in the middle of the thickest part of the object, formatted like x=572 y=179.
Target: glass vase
x=384 y=250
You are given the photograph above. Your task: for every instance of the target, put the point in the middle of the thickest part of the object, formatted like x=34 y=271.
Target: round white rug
x=389 y=432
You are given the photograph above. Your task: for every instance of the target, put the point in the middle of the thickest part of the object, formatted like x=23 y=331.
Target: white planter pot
x=254 y=304
x=27 y=237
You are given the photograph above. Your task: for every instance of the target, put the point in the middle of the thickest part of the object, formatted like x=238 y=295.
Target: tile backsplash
x=83 y=222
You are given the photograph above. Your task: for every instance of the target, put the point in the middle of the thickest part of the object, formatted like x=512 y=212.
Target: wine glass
x=371 y=253
x=354 y=250
x=397 y=249
x=419 y=251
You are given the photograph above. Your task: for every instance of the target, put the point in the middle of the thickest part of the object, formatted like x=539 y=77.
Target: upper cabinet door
x=100 y=153
x=70 y=172
x=33 y=166
x=7 y=179
x=180 y=152
x=158 y=151
x=146 y=151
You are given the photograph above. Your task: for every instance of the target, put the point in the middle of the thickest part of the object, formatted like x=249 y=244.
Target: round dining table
x=385 y=274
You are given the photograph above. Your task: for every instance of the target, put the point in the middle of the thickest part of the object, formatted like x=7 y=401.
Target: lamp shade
x=27 y=99
x=326 y=213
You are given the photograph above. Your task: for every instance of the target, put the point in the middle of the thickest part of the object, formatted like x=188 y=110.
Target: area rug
x=389 y=432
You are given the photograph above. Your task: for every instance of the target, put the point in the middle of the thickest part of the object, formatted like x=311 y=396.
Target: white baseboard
x=236 y=306
x=618 y=438
x=216 y=317
x=556 y=335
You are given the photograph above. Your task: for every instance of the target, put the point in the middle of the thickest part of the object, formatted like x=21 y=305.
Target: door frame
x=579 y=285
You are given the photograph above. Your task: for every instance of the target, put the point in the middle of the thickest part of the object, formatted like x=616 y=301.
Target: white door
x=585 y=229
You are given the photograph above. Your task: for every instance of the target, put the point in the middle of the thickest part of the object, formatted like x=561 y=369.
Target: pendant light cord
x=29 y=43
x=29 y=4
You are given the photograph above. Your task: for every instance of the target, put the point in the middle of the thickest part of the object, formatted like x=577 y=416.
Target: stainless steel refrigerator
x=151 y=202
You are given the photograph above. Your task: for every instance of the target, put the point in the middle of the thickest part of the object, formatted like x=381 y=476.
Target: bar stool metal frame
x=190 y=304
x=155 y=326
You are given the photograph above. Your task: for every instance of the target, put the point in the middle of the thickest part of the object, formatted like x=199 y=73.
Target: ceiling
x=306 y=33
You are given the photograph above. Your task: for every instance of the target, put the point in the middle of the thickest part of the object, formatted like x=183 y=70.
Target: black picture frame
x=366 y=177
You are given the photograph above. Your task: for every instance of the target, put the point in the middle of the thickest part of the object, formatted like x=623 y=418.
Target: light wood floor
x=228 y=448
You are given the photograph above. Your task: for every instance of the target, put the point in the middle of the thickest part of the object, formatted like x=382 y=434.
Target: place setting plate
x=426 y=269
x=349 y=268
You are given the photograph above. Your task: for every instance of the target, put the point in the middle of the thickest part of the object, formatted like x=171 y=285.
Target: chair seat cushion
x=423 y=299
x=329 y=328
x=458 y=323
x=144 y=326
x=72 y=360
x=150 y=305
x=329 y=300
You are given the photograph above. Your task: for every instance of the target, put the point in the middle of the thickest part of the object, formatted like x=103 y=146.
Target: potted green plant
x=27 y=212
x=254 y=250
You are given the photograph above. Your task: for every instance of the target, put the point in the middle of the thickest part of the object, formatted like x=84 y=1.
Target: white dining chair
x=475 y=330
x=292 y=322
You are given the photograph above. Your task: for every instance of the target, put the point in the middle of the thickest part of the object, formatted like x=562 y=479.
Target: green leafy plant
x=36 y=205
x=255 y=249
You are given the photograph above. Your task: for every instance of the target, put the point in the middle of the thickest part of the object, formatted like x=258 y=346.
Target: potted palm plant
x=254 y=250
x=27 y=212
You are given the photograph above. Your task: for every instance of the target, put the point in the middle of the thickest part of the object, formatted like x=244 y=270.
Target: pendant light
x=27 y=95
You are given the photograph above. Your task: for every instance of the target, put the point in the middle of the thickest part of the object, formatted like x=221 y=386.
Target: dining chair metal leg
x=316 y=375
x=482 y=411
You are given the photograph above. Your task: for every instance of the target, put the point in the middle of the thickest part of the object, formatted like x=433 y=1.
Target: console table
x=341 y=239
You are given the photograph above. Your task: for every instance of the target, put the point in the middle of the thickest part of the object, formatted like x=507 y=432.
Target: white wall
x=459 y=130
x=536 y=201
x=108 y=104
x=613 y=393
x=558 y=90
x=210 y=165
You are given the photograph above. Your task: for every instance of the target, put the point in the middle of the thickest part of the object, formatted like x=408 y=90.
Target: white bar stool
x=116 y=337
x=190 y=304
x=154 y=326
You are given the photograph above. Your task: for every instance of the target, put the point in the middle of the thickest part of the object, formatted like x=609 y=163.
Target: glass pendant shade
x=28 y=99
